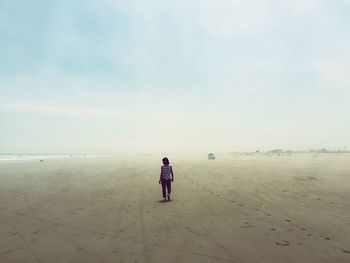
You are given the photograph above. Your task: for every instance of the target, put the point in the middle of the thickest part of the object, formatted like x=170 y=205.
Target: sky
x=173 y=76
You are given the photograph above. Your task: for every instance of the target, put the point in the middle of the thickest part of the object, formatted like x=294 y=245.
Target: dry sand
x=234 y=209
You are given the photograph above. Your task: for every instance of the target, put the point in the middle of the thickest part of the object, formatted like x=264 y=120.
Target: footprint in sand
x=273 y=229
x=282 y=243
x=247 y=226
x=327 y=238
x=268 y=214
x=346 y=251
x=287 y=220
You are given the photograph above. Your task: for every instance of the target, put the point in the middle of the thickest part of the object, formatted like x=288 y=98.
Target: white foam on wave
x=38 y=157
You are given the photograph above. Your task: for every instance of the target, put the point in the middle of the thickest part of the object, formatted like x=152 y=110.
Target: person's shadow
x=164 y=201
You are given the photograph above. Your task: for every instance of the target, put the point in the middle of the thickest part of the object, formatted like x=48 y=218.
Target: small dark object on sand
x=282 y=243
x=41 y=160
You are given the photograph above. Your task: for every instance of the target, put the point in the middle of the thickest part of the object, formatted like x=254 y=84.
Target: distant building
x=276 y=151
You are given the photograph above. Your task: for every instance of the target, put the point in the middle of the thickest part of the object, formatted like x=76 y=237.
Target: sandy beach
x=233 y=209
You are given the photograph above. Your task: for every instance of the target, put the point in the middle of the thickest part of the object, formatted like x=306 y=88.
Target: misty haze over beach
x=248 y=99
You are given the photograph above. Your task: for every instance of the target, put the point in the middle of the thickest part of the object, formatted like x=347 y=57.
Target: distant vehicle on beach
x=211 y=156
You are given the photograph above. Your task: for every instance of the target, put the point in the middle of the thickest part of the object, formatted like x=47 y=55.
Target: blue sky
x=165 y=76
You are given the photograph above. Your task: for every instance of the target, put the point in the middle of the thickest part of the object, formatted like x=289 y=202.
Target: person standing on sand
x=166 y=177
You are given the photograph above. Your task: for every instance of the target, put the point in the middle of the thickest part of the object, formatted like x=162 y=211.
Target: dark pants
x=166 y=184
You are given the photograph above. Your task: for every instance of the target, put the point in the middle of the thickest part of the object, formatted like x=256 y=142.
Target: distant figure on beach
x=166 y=177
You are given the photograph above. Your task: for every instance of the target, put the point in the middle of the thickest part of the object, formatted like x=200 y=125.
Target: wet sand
x=234 y=209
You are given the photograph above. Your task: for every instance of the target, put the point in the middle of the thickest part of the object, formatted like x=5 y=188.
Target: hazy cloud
x=65 y=111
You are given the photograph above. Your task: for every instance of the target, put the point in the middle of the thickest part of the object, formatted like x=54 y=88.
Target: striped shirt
x=166 y=172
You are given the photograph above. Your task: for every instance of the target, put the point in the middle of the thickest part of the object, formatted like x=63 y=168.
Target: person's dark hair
x=165 y=161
